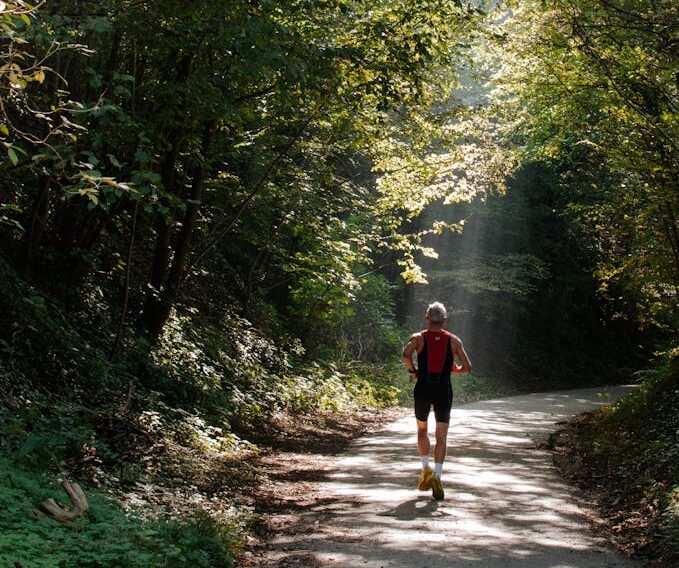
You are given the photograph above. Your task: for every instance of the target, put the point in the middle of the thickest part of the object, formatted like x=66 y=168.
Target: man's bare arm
x=408 y=351
x=460 y=355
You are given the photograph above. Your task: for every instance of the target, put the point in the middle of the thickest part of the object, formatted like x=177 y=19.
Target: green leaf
x=114 y=161
x=12 y=156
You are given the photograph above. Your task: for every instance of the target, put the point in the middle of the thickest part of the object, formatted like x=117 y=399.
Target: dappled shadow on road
x=419 y=507
x=505 y=506
x=331 y=433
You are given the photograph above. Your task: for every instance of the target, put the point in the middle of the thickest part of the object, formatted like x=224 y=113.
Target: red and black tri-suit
x=434 y=366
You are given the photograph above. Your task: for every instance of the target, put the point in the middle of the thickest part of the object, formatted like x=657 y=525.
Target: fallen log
x=63 y=513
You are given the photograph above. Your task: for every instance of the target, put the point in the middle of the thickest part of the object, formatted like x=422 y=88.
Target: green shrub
x=644 y=426
x=471 y=387
x=332 y=388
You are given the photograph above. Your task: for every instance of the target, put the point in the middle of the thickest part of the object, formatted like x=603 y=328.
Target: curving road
x=505 y=507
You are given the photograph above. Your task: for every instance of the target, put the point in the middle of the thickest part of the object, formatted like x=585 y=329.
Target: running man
x=437 y=351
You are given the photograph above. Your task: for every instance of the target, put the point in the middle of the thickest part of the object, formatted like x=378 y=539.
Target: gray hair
x=436 y=311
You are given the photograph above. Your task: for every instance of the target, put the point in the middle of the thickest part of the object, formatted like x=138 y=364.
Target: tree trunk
x=672 y=235
x=168 y=295
x=153 y=315
x=38 y=221
x=152 y=318
x=117 y=342
x=62 y=514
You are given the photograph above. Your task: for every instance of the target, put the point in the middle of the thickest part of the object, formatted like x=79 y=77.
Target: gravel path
x=506 y=506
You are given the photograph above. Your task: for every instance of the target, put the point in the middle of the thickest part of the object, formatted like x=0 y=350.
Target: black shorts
x=439 y=396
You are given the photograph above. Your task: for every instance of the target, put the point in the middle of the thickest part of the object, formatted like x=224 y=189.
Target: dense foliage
x=190 y=216
x=591 y=87
x=223 y=147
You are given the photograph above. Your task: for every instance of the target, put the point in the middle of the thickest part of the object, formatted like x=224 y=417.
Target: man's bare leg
x=423 y=444
x=441 y=442
x=439 y=456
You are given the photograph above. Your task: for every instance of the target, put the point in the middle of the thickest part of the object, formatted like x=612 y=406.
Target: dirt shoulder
x=623 y=512
x=294 y=455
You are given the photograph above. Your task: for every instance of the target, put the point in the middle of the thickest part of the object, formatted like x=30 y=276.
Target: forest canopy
x=592 y=87
x=156 y=146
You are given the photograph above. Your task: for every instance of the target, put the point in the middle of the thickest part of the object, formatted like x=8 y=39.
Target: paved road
x=505 y=507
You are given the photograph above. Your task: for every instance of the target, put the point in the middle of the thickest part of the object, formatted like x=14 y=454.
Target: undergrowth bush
x=40 y=346
x=241 y=377
x=332 y=388
x=471 y=387
x=669 y=522
x=644 y=426
x=635 y=443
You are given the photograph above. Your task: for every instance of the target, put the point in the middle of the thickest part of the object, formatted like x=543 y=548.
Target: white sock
x=425 y=461
x=438 y=469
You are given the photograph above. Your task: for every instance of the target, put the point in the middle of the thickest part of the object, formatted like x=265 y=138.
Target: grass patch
x=110 y=536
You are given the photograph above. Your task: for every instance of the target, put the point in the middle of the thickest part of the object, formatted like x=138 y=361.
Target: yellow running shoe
x=425 y=479
x=436 y=488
